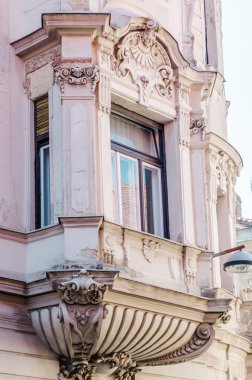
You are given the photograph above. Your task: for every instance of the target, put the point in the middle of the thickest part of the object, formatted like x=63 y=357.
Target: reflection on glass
x=129 y=193
x=45 y=203
x=116 y=216
x=134 y=136
x=153 y=219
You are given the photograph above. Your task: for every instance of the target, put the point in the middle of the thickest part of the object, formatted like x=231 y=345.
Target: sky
x=237 y=48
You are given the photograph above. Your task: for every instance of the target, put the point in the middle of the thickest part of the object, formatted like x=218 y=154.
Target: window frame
x=40 y=142
x=142 y=158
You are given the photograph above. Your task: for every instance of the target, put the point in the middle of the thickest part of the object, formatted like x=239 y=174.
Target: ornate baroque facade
x=117 y=184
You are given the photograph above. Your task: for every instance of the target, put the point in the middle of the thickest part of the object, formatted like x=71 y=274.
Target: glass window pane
x=116 y=210
x=133 y=136
x=153 y=215
x=130 y=202
x=45 y=203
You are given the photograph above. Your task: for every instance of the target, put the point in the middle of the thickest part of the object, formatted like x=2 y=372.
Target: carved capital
x=76 y=73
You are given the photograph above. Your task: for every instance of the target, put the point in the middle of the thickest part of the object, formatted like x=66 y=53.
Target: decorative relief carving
x=49 y=56
x=105 y=54
x=198 y=126
x=199 y=342
x=77 y=73
x=82 y=290
x=224 y=318
x=74 y=5
x=150 y=249
x=27 y=87
x=81 y=326
x=246 y=291
x=104 y=102
x=75 y=369
x=140 y=56
x=126 y=368
x=108 y=256
x=223 y=175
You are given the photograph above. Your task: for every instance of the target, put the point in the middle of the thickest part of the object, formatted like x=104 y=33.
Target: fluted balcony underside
x=86 y=331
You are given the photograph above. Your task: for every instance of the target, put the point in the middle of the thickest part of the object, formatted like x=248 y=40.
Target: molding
x=199 y=342
x=52 y=24
x=29 y=237
x=75 y=73
x=85 y=221
x=42 y=59
x=217 y=143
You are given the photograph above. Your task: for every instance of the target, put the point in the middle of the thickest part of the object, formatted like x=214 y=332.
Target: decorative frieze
x=140 y=56
x=104 y=97
x=40 y=60
x=150 y=249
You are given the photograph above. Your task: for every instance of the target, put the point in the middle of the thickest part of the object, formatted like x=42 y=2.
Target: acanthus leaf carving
x=79 y=369
x=150 y=249
x=125 y=366
x=141 y=56
x=82 y=290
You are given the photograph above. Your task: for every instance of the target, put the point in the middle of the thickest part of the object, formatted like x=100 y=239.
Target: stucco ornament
x=79 y=369
x=150 y=249
x=140 y=56
x=200 y=341
x=78 y=73
x=82 y=289
x=126 y=368
x=198 y=126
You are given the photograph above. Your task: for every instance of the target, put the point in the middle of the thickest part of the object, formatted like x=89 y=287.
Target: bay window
x=139 y=188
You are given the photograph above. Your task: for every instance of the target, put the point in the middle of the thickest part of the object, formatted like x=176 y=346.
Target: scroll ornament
x=198 y=126
x=199 y=343
x=141 y=56
x=78 y=73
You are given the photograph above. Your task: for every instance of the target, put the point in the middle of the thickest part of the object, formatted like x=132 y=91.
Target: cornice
x=28 y=237
x=56 y=24
x=213 y=141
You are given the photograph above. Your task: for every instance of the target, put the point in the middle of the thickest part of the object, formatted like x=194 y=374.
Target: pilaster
x=105 y=48
x=179 y=137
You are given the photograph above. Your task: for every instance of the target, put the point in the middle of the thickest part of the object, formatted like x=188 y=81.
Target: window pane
x=130 y=202
x=153 y=218
x=45 y=186
x=116 y=211
x=133 y=136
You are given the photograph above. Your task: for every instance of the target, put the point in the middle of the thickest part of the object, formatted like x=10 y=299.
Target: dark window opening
x=42 y=163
